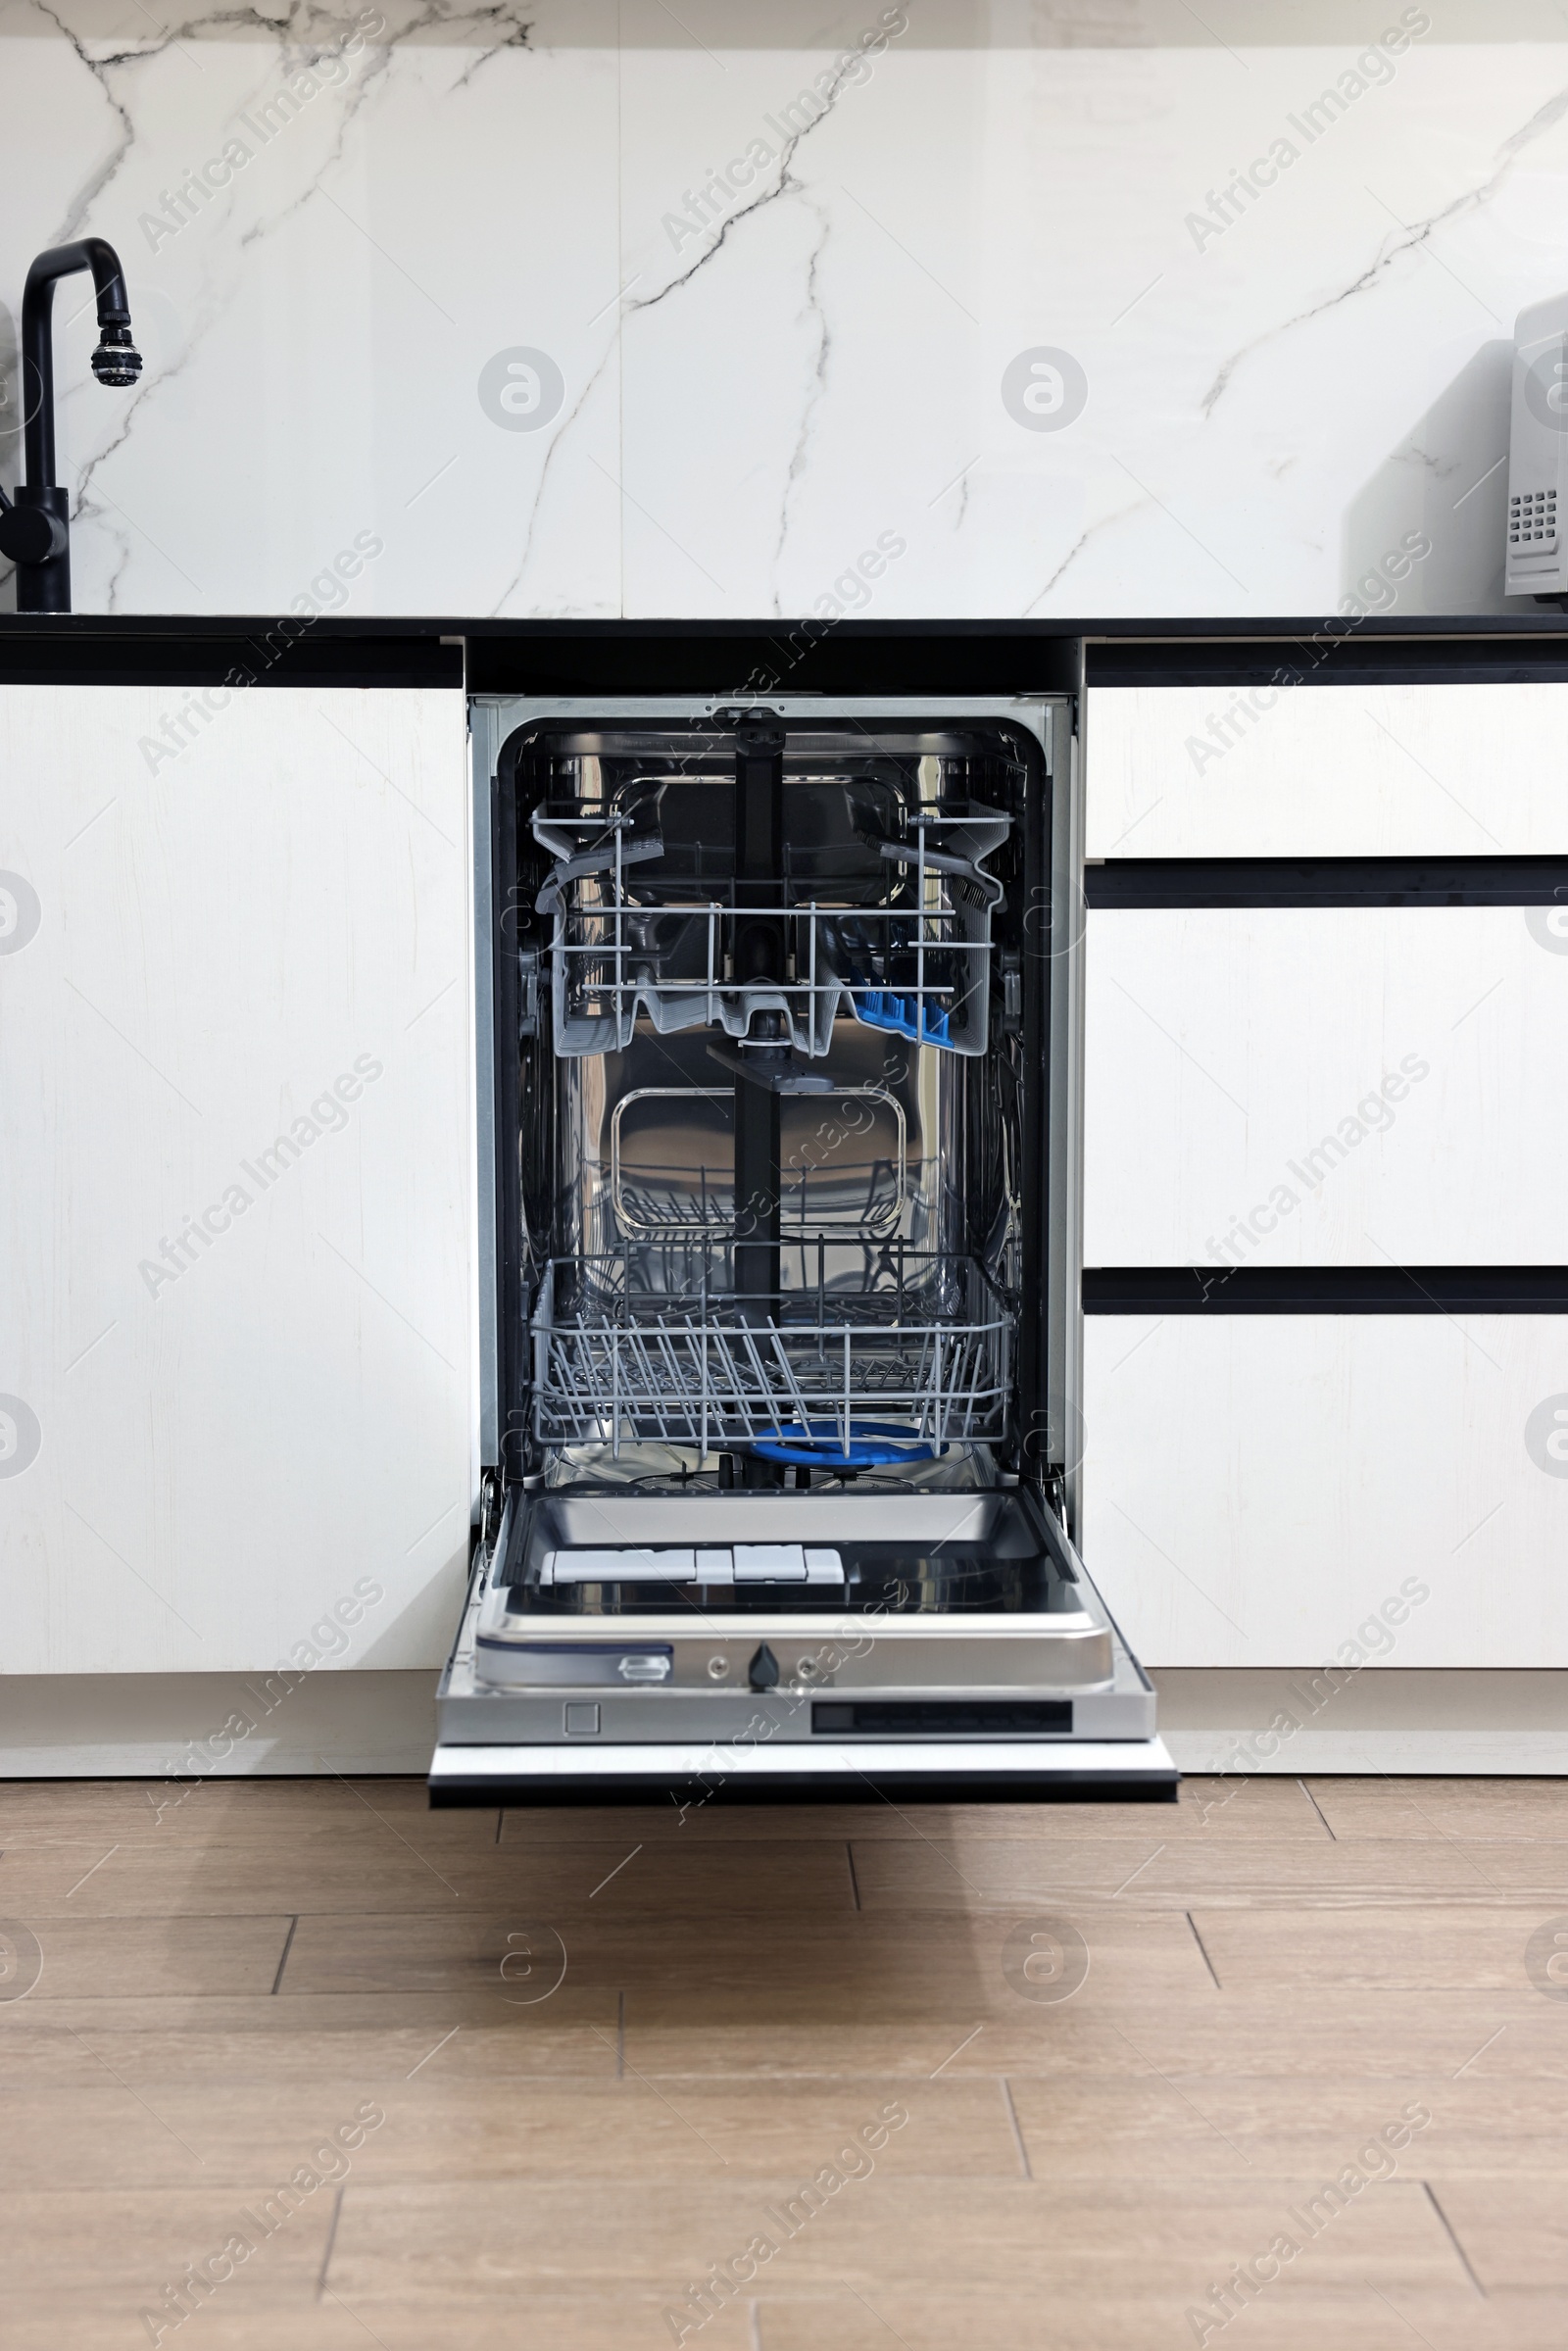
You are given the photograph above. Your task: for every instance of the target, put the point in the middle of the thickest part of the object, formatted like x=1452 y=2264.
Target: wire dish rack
x=901 y=940
x=922 y=1343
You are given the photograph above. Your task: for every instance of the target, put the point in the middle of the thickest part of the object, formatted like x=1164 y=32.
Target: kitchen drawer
x=1326 y=1085
x=1343 y=770
x=1258 y=1489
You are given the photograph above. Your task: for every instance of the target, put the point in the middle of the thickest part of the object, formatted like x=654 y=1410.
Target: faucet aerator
x=116 y=361
x=117 y=368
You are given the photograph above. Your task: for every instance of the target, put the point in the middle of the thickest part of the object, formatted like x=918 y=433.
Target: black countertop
x=755 y=657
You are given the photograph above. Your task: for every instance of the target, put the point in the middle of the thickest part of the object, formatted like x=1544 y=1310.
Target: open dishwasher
x=778 y=1297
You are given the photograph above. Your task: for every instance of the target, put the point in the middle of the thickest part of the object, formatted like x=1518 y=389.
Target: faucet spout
x=35 y=532
x=37 y=340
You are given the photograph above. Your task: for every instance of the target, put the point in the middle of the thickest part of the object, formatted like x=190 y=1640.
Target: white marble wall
x=1270 y=403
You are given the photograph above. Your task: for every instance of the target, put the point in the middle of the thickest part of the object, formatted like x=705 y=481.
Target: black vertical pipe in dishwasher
x=760 y=952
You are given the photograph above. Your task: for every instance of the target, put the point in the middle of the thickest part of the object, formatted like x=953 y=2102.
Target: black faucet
x=35 y=530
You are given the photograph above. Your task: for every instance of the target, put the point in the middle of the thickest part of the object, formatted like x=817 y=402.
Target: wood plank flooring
x=302 y=2064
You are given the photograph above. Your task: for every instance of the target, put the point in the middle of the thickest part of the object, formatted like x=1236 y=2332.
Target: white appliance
x=1537 y=439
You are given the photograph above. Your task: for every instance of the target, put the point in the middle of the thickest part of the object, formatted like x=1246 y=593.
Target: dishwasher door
x=790 y=1646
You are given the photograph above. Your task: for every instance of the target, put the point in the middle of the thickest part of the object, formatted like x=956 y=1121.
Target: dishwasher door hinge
x=492 y=1501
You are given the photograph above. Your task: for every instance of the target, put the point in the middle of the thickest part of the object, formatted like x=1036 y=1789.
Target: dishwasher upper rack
x=920 y=1341
x=627 y=944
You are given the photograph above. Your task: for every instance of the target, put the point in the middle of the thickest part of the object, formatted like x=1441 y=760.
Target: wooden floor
x=317 y=2025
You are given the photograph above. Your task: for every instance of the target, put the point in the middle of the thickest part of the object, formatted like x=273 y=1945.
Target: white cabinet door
x=1326 y=1085
x=1293 y=1490
x=1336 y=1087
x=236 y=1127
x=1318 y=772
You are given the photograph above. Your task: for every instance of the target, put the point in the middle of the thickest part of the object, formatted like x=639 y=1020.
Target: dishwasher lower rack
x=917 y=1346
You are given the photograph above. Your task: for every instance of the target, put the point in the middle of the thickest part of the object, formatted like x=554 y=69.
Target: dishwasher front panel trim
x=932 y=1771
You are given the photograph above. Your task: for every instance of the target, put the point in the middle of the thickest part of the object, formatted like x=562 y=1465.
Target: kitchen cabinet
x=1338 y=770
x=1256 y=1487
x=1348 y=1085
x=244 y=1269
x=237 y=1223
x=1325 y=1085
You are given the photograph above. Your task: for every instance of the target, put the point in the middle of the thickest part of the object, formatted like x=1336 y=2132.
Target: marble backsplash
x=593 y=308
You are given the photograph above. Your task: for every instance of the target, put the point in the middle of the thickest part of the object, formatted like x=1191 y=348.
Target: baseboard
x=233 y=1726
x=1379 y=1720
x=215 y=1725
